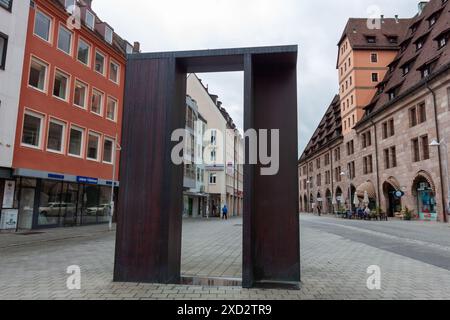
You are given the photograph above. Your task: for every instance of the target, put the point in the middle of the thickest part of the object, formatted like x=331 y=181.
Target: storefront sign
x=8 y=196
x=8 y=219
x=87 y=180
x=56 y=176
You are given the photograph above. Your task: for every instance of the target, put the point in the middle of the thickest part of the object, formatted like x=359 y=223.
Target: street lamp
x=443 y=144
x=347 y=174
x=116 y=148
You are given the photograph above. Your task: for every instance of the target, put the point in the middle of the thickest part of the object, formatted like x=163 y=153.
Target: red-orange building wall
x=49 y=106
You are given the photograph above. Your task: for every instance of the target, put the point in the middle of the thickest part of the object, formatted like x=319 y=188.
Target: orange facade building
x=363 y=59
x=70 y=113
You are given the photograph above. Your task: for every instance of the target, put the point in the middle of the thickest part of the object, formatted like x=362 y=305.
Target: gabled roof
x=429 y=54
x=357 y=30
x=328 y=130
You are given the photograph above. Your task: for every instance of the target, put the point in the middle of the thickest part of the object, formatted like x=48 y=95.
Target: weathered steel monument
x=148 y=247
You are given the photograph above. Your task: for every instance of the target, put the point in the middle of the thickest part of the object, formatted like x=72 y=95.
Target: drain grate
x=211 y=282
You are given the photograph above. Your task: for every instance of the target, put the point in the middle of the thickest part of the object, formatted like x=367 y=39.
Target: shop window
x=38 y=74
x=50 y=203
x=84 y=52
x=32 y=129
x=426 y=201
x=56 y=136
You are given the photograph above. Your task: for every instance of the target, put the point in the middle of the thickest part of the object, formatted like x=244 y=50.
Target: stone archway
x=393 y=204
x=423 y=190
x=329 y=202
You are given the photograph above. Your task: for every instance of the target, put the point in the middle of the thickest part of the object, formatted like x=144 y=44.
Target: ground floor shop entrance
x=44 y=203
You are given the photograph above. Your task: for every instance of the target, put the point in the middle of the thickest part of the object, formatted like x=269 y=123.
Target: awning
x=366 y=187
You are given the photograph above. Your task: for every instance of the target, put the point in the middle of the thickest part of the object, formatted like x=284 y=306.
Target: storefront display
x=426 y=202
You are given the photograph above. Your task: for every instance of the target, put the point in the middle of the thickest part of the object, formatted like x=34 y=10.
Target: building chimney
x=422 y=5
x=382 y=18
x=214 y=98
x=396 y=19
x=136 y=47
x=219 y=104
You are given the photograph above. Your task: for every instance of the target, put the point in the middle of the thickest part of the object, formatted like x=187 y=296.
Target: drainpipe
x=376 y=162
x=333 y=192
x=444 y=206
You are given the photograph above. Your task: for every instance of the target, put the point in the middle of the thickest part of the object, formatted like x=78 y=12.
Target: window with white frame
x=32 y=129
x=114 y=70
x=212 y=178
x=84 y=52
x=42 y=26
x=97 y=102
x=99 y=63
x=111 y=109
x=38 y=74
x=61 y=85
x=93 y=146
x=109 y=35
x=90 y=20
x=76 y=140
x=108 y=146
x=80 y=94
x=56 y=136
x=65 y=40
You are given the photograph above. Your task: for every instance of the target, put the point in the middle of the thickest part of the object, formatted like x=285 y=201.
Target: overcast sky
x=315 y=26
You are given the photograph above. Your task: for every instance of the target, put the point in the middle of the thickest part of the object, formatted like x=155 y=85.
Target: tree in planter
x=377 y=213
x=407 y=214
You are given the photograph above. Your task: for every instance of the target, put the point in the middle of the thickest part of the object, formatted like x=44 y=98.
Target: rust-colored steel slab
x=148 y=247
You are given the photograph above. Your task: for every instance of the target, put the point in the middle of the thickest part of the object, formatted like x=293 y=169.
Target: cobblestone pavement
x=333 y=266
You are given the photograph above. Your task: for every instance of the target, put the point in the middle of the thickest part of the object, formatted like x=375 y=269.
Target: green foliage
x=407 y=214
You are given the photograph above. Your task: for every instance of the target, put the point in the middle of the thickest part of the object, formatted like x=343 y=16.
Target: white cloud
x=315 y=26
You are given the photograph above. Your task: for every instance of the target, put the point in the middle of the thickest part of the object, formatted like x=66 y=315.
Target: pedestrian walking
x=225 y=212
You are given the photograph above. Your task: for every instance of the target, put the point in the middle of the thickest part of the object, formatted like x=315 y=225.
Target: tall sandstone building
x=375 y=137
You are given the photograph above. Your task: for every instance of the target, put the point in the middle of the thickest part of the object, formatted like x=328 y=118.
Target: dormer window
x=70 y=5
x=129 y=48
x=406 y=68
x=108 y=35
x=371 y=39
x=434 y=18
x=90 y=20
x=443 y=38
x=443 y=42
x=393 y=39
x=426 y=71
x=419 y=45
